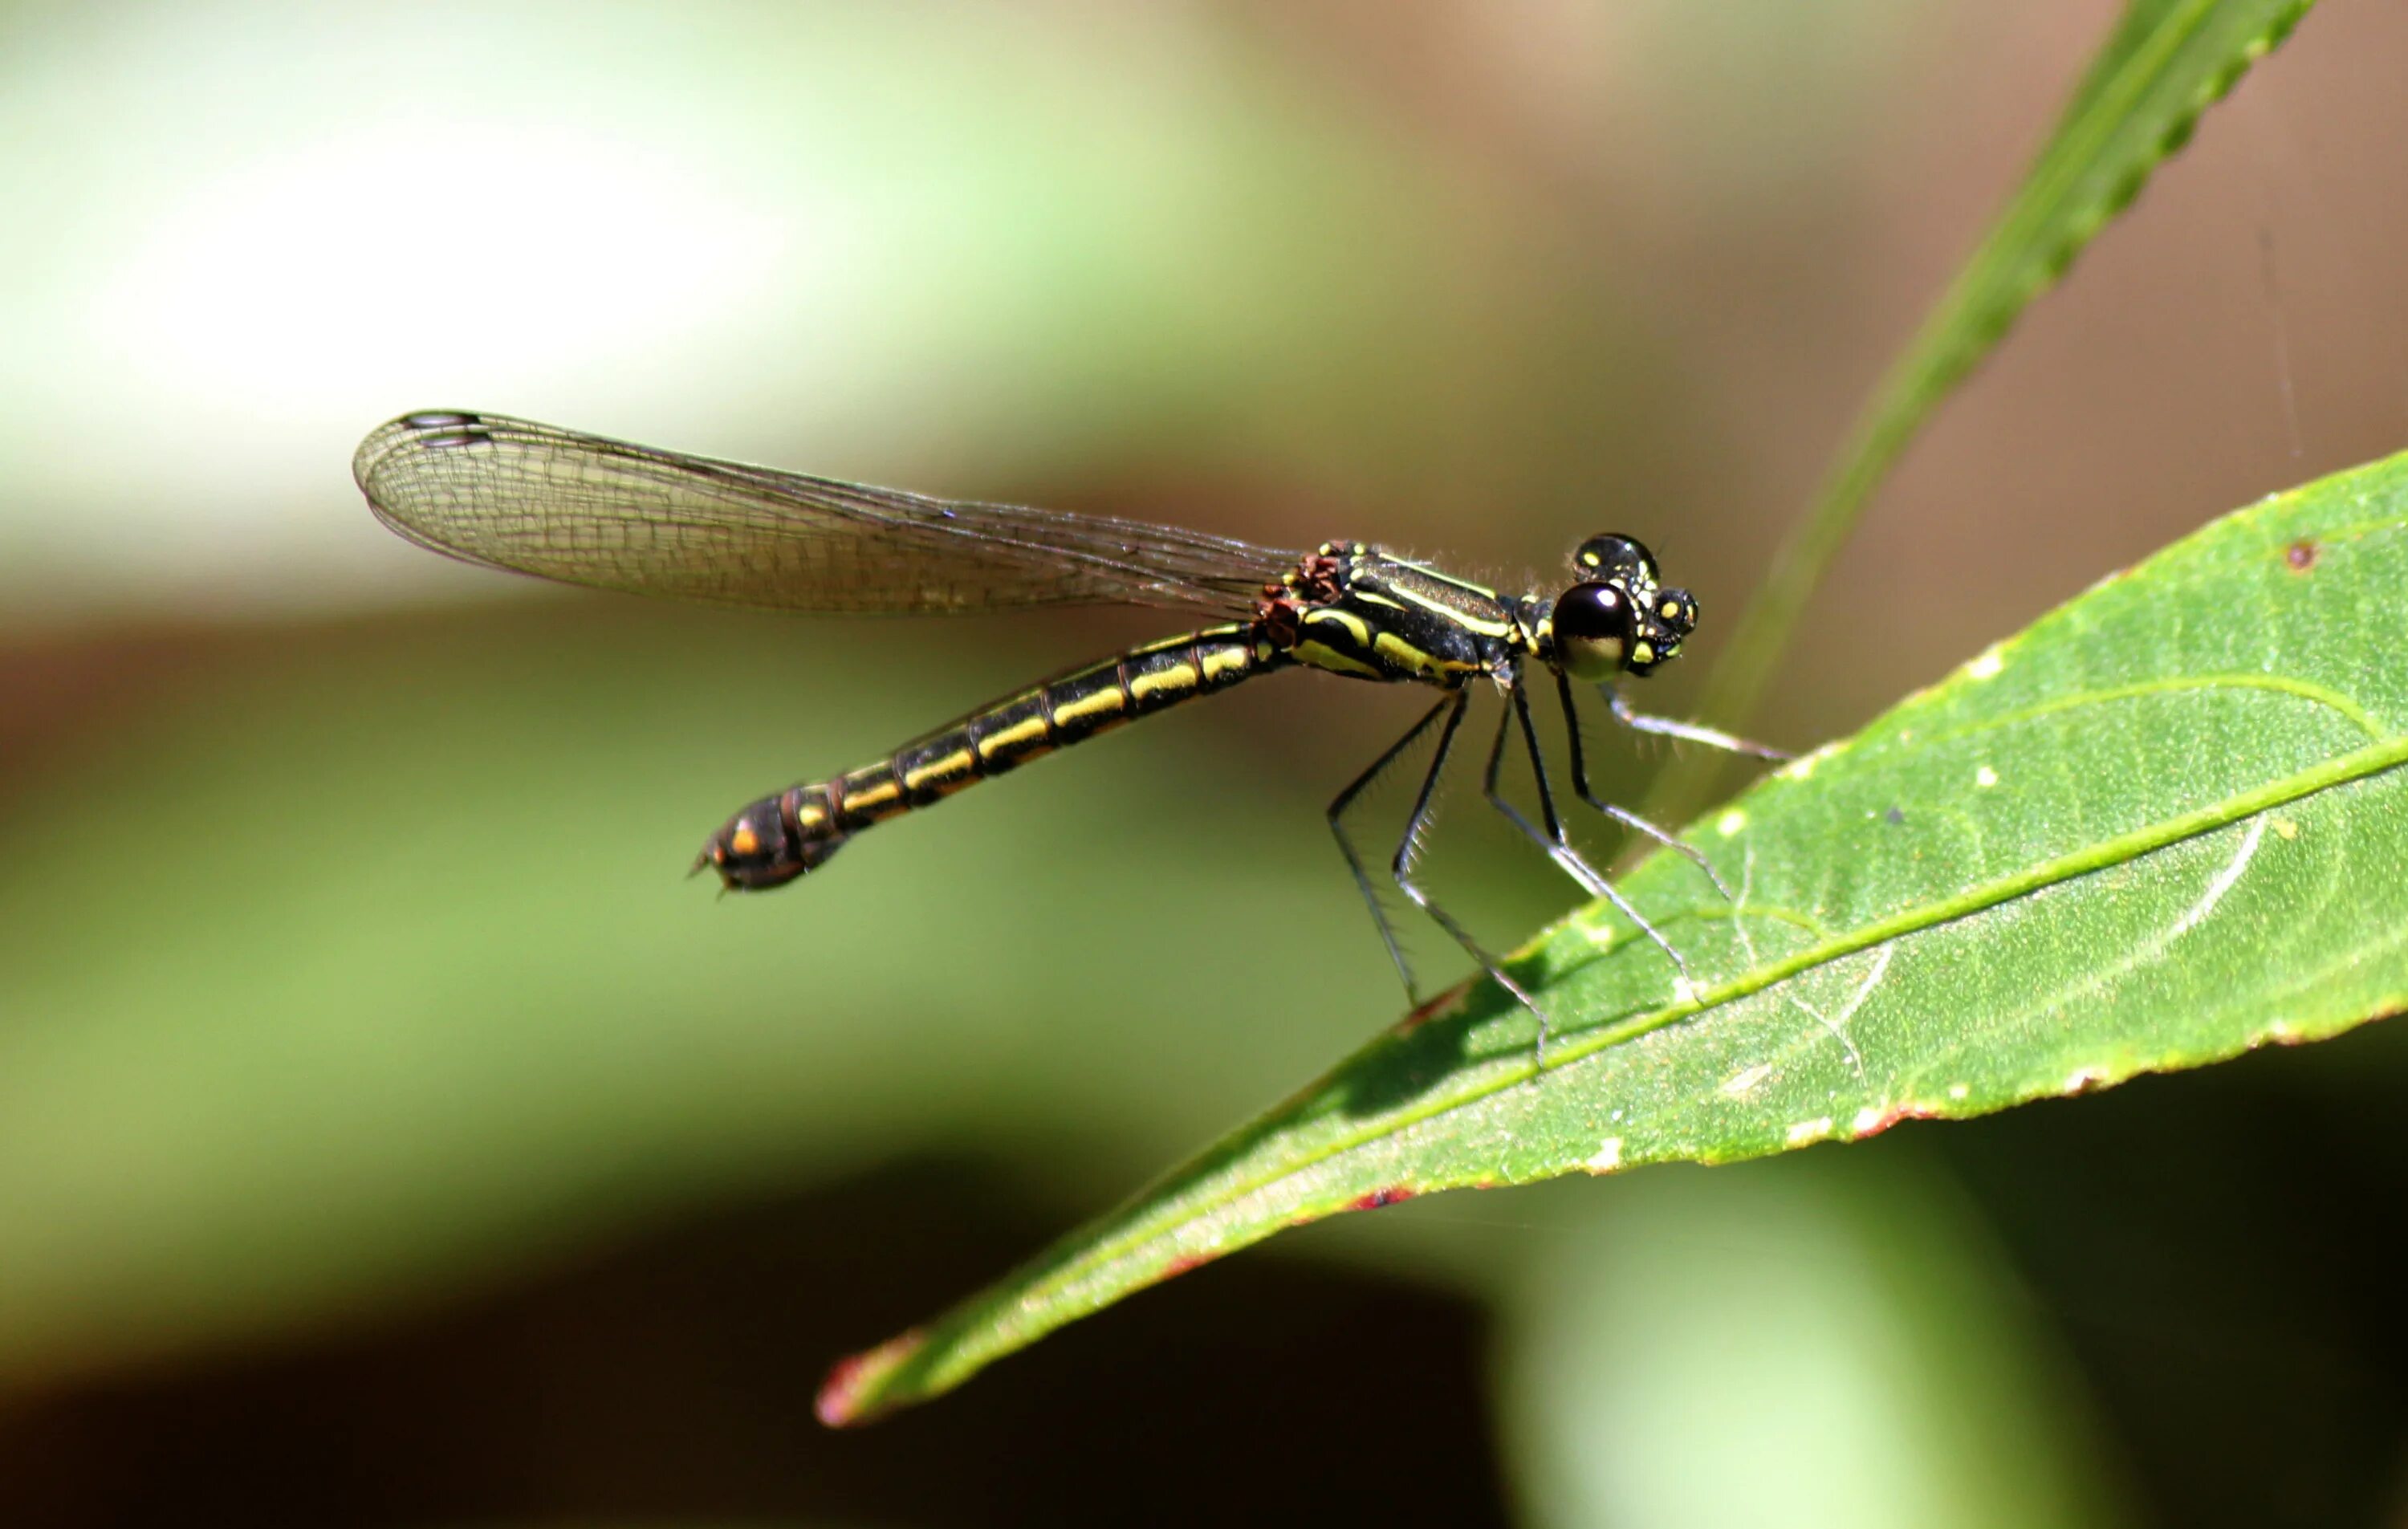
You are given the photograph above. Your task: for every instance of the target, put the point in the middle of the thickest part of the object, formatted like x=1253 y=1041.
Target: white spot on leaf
x=1803 y=766
x=1806 y=1131
x=1985 y=777
x=1993 y=659
x=1608 y=1156
x=1744 y=1080
x=1729 y=824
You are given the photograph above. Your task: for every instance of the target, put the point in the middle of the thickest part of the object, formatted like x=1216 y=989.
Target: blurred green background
x=389 y=1135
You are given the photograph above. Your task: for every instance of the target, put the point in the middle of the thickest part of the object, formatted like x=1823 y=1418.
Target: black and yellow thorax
x=1353 y=610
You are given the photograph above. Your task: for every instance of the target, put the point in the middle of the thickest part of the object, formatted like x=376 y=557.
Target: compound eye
x=1594 y=628
x=1614 y=556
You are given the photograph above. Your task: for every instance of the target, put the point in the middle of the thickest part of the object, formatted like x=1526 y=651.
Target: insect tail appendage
x=771 y=842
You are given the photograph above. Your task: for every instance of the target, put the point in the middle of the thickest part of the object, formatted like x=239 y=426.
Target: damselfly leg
x=1343 y=803
x=1623 y=815
x=1447 y=716
x=1640 y=722
x=1553 y=840
x=1549 y=833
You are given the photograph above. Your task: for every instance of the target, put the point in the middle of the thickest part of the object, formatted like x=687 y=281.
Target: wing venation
x=585 y=509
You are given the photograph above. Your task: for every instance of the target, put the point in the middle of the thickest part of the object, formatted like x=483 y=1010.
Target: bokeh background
x=389 y=1135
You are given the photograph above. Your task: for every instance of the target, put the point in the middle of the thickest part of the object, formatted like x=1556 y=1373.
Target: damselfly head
x=1618 y=618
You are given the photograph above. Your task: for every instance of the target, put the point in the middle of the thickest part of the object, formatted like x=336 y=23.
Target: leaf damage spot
x=1986 y=778
x=1993 y=659
x=2083 y=1079
x=1806 y=1131
x=1745 y=1078
x=1872 y=1121
x=2285 y=828
x=1392 y=1194
x=2301 y=554
x=1959 y=1091
x=840 y=1404
x=1441 y=1006
x=1607 y=1157
x=1730 y=824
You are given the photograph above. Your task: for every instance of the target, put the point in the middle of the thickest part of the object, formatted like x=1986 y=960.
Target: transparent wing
x=583 y=509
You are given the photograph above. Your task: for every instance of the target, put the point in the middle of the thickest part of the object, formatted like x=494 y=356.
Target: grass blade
x=2167 y=62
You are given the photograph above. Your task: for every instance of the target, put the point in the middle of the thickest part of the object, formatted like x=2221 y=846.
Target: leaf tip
x=843 y=1400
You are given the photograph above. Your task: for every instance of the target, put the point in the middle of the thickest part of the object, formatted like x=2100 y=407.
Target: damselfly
x=558 y=504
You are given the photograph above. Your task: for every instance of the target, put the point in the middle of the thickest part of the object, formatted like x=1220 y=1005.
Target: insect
x=559 y=504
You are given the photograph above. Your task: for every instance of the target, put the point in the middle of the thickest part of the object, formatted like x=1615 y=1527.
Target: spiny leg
x=1337 y=816
x=1624 y=815
x=1640 y=723
x=1402 y=868
x=1553 y=840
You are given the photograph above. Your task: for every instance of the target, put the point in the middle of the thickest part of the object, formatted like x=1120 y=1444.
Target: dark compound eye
x=1614 y=556
x=1593 y=627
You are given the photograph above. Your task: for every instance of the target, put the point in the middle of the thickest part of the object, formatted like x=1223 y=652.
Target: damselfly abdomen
x=537 y=499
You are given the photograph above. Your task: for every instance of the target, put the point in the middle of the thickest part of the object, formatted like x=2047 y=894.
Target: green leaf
x=2161 y=827
x=2167 y=62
